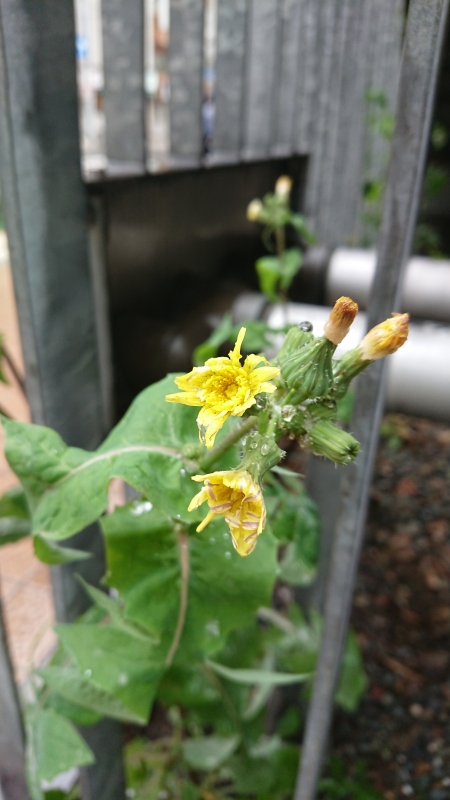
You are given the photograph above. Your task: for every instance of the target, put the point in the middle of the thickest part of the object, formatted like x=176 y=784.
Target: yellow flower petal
x=235 y=495
x=224 y=387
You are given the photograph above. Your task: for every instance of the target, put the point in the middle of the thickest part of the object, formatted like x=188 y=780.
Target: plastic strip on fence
x=420 y=61
x=185 y=70
x=285 y=90
x=45 y=213
x=231 y=29
x=12 y=757
x=259 y=90
x=124 y=104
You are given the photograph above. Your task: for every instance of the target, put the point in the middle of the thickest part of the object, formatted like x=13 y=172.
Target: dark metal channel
x=424 y=36
x=45 y=213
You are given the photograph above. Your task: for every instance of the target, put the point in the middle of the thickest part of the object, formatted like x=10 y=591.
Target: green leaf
x=68 y=486
x=353 y=680
x=224 y=590
x=209 y=348
x=15 y=522
x=51 y=553
x=53 y=746
x=209 y=752
x=299 y=223
x=290 y=265
x=116 y=662
x=114 y=610
x=73 y=711
x=75 y=688
x=252 y=677
x=269 y=271
x=294 y=520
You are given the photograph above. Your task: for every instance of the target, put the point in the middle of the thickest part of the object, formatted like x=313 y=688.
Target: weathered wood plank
x=285 y=88
x=232 y=18
x=185 y=69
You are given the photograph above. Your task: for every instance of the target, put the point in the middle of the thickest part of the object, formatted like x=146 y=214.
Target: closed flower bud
x=254 y=210
x=261 y=453
x=308 y=371
x=295 y=338
x=340 y=320
x=326 y=439
x=283 y=186
x=385 y=338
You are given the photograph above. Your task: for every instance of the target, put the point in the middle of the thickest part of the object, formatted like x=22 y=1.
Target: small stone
x=407 y=790
x=416 y=710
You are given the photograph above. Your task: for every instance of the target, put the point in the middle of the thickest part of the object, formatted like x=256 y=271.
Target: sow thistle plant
x=214 y=523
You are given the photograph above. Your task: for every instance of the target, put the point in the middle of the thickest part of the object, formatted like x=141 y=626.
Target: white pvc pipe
x=419 y=373
x=426 y=289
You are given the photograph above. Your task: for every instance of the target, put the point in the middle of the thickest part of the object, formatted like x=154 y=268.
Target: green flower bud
x=326 y=439
x=308 y=372
x=261 y=453
x=295 y=338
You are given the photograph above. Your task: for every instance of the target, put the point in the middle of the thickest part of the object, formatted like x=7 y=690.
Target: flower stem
x=184 y=564
x=230 y=439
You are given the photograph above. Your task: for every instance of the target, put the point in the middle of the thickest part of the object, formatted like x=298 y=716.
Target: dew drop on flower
x=265 y=449
x=306 y=326
x=253 y=445
x=287 y=412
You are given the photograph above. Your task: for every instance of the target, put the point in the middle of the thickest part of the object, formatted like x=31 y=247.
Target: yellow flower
x=235 y=495
x=342 y=315
x=224 y=387
x=385 y=338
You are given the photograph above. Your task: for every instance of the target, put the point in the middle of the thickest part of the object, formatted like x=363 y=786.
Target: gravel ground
x=401 y=613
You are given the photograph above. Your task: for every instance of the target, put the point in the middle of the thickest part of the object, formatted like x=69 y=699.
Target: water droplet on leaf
x=212 y=540
x=183 y=473
x=227 y=554
x=306 y=326
x=265 y=449
x=141 y=508
x=253 y=445
x=88 y=673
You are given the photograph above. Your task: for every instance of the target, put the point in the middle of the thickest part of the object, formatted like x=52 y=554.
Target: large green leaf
x=223 y=590
x=53 y=746
x=51 y=553
x=116 y=662
x=68 y=486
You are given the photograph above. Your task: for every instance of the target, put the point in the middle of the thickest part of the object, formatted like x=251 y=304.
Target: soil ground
x=401 y=613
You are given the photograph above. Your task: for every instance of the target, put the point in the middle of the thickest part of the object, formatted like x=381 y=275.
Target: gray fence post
x=45 y=212
x=421 y=53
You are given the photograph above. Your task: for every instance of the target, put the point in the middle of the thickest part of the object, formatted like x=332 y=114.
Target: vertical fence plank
x=307 y=81
x=261 y=49
x=45 y=214
x=422 y=47
x=12 y=756
x=285 y=88
x=123 y=58
x=232 y=18
x=185 y=69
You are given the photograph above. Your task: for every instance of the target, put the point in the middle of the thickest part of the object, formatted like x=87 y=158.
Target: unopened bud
x=308 y=372
x=254 y=210
x=326 y=439
x=261 y=453
x=385 y=338
x=283 y=186
x=296 y=337
x=340 y=320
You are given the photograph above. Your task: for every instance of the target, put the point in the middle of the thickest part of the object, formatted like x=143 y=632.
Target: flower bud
x=283 y=187
x=295 y=338
x=254 y=210
x=308 y=371
x=340 y=319
x=326 y=439
x=261 y=453
x=385 y=338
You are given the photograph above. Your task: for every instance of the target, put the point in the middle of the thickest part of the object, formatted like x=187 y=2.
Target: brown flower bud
x=340 y=319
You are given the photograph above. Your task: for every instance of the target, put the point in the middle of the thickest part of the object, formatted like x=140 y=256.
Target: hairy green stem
x=229 y=440
x=184 y=564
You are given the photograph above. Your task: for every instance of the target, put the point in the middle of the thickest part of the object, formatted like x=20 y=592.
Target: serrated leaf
x=116 y=662
x=53 y=746
x=255 y=677
x=67 y=682
x=209 y=752
x=68 y=486
x=295 y=521
x=51 y=553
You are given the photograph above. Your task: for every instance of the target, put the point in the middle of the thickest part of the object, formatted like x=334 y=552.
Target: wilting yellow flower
x=342 y=315
x=235 y=495
x=385 y=338
x=283 y=186
x=254 y=210
x=224 y=387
